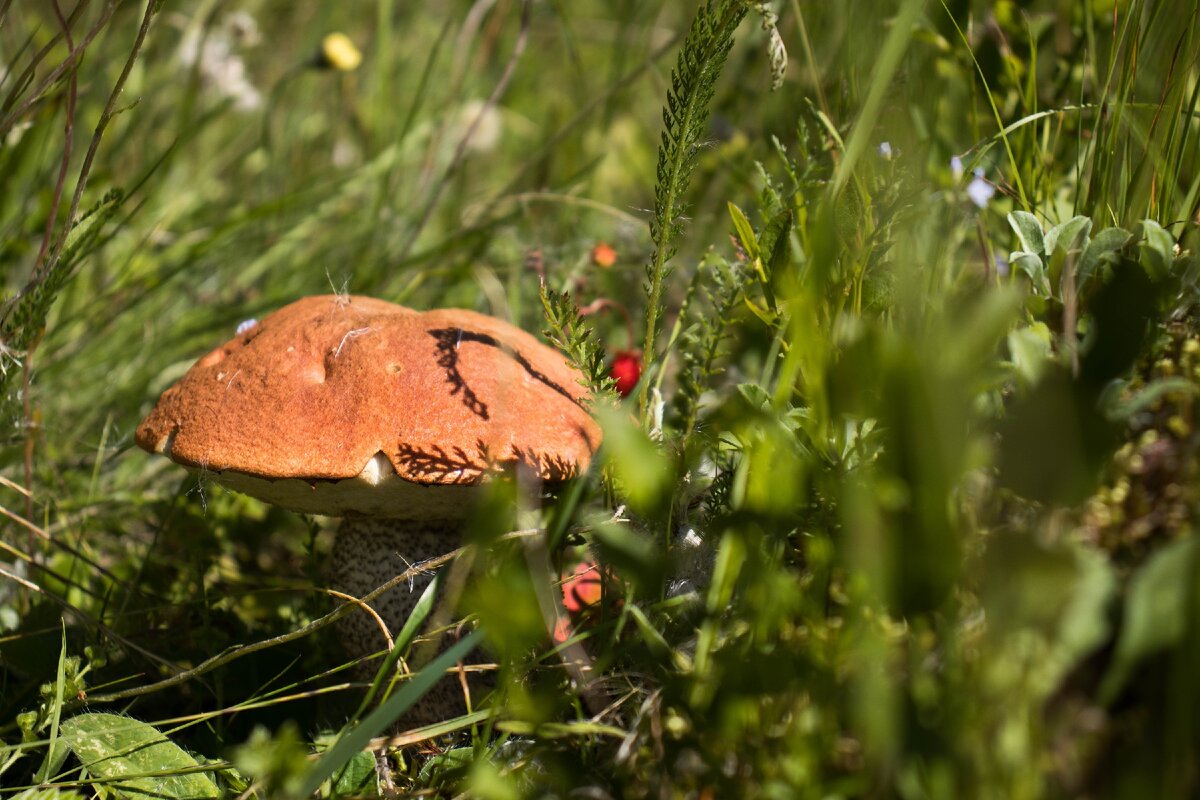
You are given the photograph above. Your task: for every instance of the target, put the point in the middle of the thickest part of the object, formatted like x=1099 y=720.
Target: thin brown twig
x=427 y=732
x=75 y=612
x=387 y=635
x=34 y=528
x=30 y=429
x=56 y=73
x=73 y=551
x=101 y=125
x=16 y=487
x=29 y=558
x=238 y=651
x=68 y=138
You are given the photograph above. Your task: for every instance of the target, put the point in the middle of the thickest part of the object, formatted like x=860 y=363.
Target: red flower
x=626 y=369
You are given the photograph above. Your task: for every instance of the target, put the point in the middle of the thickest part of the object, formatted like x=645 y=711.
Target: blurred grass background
x=946 y=507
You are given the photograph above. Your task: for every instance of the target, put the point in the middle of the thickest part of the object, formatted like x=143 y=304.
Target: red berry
x=562 y=630
x=603 y=255
x=582 y=588
x=625 y=370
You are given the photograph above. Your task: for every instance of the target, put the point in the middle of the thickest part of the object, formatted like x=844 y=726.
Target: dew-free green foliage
x=693 y=84
x=903 y=505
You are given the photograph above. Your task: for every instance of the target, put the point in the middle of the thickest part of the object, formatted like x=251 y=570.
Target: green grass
x=941 y=457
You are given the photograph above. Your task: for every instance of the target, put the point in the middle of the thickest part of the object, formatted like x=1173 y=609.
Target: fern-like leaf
x=693 y=82
x=573 y=336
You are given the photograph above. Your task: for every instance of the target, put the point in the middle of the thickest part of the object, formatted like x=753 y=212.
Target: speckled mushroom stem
x=367 y=553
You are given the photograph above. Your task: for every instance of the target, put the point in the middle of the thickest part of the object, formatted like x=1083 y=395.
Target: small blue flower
x=1001 y=265
x=956 y=168
x=885 y=149
x=245 y=326
x=979 y=190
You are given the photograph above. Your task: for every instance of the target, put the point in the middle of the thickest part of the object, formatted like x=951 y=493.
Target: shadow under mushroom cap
x=357 y=391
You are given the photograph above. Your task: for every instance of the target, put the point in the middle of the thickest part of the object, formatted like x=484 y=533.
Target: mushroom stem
x=368 y=552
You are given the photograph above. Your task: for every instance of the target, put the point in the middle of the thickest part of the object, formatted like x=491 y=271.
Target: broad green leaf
x=1156 y=610
x=1083 y=625
x=1033 y=266
x=755 y=395
x=985 y=323
x=275 y=761
x=772 y=472
x=642 y=471
x=1060 y=592
x=1070 y=235
x=1030 y=350
x=454 y=759
x=1157 y=250
x=47 y=793
x=774 y=240
x=1099 y=251
x=1029 y=232
x=357 y=778
x=133 y=760
x=1053 y=440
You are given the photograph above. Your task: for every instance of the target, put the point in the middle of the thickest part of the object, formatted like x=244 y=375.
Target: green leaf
x=357 y=778
x=133 y=759
x=1054 y=440
x=654 y=640
x=275 y=761
x=456 y=759
x=52 y=762
x=354 y=741
x=745 y=232
x=416 y=618
x=1099 y=252
x=1060 y=592
x=1157 y=250
x=1030 y=351
x=642 y=471
x=776 y=249
x=1152 y=392
x=1083 y=623
x=755 y=395
x=47 y=793
x=633 y=556
x=1032 y=265
x=1029 y=232
x=990 y=317
x=689 y=98
x=1156 y=611
x=1070 y=235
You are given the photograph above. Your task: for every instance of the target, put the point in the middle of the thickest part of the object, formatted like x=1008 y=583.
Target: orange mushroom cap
x=351 y=405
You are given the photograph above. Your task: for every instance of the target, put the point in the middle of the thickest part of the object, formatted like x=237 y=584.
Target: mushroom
x=390 y=418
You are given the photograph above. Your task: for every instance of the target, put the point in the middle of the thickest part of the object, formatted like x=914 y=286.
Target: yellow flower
x=338 y=52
